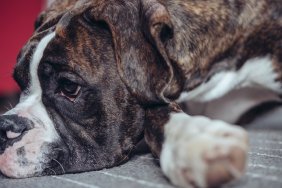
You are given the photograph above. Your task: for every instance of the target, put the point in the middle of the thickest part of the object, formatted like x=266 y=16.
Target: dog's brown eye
x=69 y=89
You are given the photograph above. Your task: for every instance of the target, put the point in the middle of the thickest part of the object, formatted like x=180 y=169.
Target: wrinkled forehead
x=76 y=43
x=60 y=18
x=58 y=8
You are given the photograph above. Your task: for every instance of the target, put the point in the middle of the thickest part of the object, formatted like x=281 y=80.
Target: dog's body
x=97 y=76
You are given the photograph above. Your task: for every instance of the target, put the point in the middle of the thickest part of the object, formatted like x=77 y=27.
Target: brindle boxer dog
x=99 y=75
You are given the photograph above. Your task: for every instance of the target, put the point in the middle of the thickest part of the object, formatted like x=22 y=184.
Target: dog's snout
x=12 y=126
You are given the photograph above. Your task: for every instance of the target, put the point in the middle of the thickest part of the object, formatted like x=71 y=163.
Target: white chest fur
x=256 y=72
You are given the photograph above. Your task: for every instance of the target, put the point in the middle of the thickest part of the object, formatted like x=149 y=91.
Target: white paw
x=201 y=152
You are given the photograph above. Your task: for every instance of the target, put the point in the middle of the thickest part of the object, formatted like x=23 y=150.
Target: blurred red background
x=16 y=26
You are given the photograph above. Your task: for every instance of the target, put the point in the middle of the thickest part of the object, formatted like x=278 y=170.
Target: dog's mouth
x=27 y=159
x=27 y=152
x=55 y=165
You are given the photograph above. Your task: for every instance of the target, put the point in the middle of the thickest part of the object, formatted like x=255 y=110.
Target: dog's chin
x=28 y=157
x=14 y=168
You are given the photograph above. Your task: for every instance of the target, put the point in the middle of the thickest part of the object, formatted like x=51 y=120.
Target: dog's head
x=86 y=75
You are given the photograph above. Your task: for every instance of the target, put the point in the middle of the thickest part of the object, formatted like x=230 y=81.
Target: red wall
x=16 y=26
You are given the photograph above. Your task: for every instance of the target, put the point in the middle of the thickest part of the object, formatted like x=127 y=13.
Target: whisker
x=10 y=104
x=127 y=156
x=7 y=108
x=60 y=165
x=52 y=170
x=60 y=149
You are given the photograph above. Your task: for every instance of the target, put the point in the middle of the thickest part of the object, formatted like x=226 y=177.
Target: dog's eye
x=69 y=89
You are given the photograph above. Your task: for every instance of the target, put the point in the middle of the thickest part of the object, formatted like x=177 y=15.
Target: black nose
x=12 y=126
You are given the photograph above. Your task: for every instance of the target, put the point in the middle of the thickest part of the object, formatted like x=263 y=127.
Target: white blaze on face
x=31 y=107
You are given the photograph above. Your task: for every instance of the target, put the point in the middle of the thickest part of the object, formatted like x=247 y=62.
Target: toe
x=226 y=168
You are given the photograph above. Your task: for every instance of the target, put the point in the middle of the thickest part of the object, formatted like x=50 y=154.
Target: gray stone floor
x=142 y=171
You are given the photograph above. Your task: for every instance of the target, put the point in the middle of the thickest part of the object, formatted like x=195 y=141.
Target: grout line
x=262 y=133
x=250 y=165
x=76 y=182
x=265 y=177
x=266 y=155
x=263 y=166
x=268 y=141
x=266 y=149
x=150 y=158
x=134 y=180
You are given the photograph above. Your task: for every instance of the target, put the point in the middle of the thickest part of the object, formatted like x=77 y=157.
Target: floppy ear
x=139 y=33
x=157 y=24
x=158 y=28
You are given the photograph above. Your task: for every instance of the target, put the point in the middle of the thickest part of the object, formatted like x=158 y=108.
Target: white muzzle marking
x=31 y=107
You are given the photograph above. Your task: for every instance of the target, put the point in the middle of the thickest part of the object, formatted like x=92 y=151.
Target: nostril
x=13 y=126
x=11 y=135
x=3 y=137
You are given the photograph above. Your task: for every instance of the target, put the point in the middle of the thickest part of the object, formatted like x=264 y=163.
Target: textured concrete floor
x=142 y=171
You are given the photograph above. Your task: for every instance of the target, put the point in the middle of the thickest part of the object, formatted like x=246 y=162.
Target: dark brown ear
x=139 y=33
x=157 y=23
x=159 y=30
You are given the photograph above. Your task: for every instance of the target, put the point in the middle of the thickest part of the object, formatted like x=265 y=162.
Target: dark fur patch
x=132 y=59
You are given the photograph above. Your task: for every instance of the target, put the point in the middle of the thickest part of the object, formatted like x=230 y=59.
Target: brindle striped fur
x=135 y=57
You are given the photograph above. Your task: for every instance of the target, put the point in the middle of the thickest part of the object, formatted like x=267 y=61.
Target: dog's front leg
x=193 y=150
